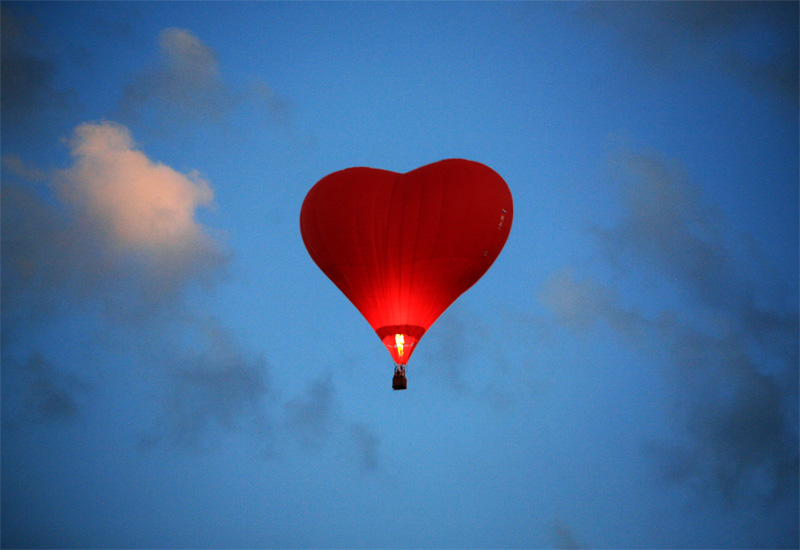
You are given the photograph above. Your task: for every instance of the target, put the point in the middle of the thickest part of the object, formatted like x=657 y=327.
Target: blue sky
x=176 y=371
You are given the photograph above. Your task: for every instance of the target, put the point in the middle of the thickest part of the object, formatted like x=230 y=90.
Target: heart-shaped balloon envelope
x=403 y=247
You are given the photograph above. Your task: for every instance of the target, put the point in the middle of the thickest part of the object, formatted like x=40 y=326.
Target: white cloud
x=144 y=205
x=121 y=235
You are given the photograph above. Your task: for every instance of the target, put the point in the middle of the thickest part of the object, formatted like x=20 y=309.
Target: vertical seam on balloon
x=399 y=315
x=359 y=242
x=437 y=298
x=387 y=302
x=376 y=260
x=379 y=253
x=414 y=250
x=430 y=299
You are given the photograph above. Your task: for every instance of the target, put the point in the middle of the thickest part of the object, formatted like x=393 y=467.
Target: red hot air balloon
x=403 y=247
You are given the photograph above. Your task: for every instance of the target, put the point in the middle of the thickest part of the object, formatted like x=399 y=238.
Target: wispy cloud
x=21 y=169
x=669 y=229
x=311 y=416
x=186 y=85
x=563 y=536
x=367 y=446
x=682 y=37
x=449 y=344
x=215 y=389
x=733 y=361
x=316 y=420
x=42 y=393
x=469 y=360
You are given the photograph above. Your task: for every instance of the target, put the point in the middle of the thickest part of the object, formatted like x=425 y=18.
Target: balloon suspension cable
x=399 y=379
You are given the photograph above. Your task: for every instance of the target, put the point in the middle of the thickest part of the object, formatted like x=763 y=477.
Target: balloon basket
x=399 y=379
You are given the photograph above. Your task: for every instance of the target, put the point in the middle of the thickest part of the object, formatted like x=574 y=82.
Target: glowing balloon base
x=400 y=344
x=399 y=380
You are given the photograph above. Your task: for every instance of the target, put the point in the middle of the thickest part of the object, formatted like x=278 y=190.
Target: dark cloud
x=312 y=416
x=367 y=446
x=741 y=444
x=34 y=269
x=40 y=392
x=563 y=536
x=732 y=356
x=27 y=83
x=217 y=390
x=742 y=418
x=706 y=36
x=314 y=419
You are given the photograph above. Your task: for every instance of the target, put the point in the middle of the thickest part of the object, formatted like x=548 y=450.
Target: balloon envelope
x=403 y=247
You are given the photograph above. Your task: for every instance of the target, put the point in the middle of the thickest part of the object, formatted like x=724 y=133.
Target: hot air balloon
x=403 y=247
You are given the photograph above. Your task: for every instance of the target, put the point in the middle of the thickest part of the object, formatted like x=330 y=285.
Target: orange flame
x=398 y=338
